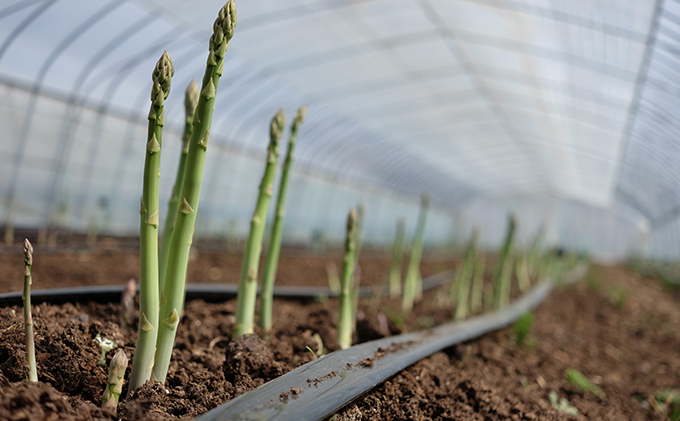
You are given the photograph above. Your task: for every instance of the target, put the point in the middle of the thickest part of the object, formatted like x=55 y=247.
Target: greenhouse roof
x=558 y=111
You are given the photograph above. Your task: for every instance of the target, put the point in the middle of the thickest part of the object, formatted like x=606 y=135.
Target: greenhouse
x=515 y=144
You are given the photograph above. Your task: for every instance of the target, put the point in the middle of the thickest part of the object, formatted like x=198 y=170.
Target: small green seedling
x=576 y=378
x=668 y=403
x=523 y=327
x=563 y=405
x=106 y=346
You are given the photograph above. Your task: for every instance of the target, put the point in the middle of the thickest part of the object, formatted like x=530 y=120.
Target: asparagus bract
x=504 y=269
x=28 y=318
x=411 y=281
x=172 y=296
x=190 y=101
x=114 y=384
x=277 y=230
x=247 y=287
x=345 y=327
x=397 y=256
x=466 y=277
x=148 y=232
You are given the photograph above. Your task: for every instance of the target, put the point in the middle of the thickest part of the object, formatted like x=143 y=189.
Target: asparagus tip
x=28 y=252
x=278 y=123
x=352 y=220
x=191 y=97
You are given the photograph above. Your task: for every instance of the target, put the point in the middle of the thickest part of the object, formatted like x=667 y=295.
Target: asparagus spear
x=466 y=277
x=277 y=231
x=247 y=287
x=28 y=318
x=522 y=272
x=410 y=283
x=345 y=327
x=172 y=296
x=127 y=303
x=114 y=385
x=478 y=285
x=190 y=101
x=148 y=233
x=397 y=256
x=504 y=268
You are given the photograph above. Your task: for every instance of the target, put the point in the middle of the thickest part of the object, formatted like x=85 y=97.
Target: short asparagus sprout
x=106 y=345
x=267 y=296
x=190 y=102
x=411 y=281
x=345 y=327
x=114 y=384
x=397 y=257
x=147 y=330
x=504 y=269
x=463 y=292
x=478 y=285
x=247 y=287
x=28 y=318
x=172 y=296
x=127 y=304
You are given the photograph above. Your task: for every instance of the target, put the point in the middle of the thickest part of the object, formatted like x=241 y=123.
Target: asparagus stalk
x=345 y=327
x=504 y=268
x=477 y=285
x=148 y=233
x=190 y=101
x=247 y=287
x=356 y=275
x=522 y=272
x=172 y=296
x=333 y=278
x=127 y=304
x=410 y=283
x=397 y=256
x=114 y=385
x=277 y=231
x=466 y=277
x=28 y=318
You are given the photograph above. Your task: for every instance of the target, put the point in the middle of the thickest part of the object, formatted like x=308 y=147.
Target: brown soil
x=630 y=352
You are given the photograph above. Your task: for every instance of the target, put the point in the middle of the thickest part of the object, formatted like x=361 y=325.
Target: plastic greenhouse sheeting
x=562 y=112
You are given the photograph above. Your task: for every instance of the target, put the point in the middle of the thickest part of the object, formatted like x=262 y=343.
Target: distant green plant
x=618 y=297
x=576 y=378
x=345 y=326
x=592 y=282
x=503 y=274
x=563 y=405
x=523 y=327
x=411 y=281
x=397 y=257
x=462 y=290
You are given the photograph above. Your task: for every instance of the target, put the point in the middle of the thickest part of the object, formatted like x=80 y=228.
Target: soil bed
x=628 y=346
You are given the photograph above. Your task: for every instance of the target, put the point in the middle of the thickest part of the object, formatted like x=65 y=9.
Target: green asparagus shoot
x=410 y=283
x=466 y=277
x=397 y=256
x=247 y=287
x=333 y=278
x=523 y=327
x=577 y=378
x=148 y=233
x=190 y=102
x=504 y=268
x=277 y=230
x=522 y=272
x=114 y=384
x=345 y=327
x=478 y=285
x=28 y=318
x=172 y=296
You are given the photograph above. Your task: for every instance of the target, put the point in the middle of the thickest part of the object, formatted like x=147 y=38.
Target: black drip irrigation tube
x=321 y=387
x=207 y=292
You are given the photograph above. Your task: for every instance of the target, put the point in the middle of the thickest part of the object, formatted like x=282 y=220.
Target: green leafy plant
x=28 y=317
x=576 y=378
x=563 y=405
x=114 y=384
x=267 y=296
x=190 y=101
x=397 y=257
x=172 y=296
x=411 y=281
x=523 y=327
x=345 y=326
x=247 y=287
